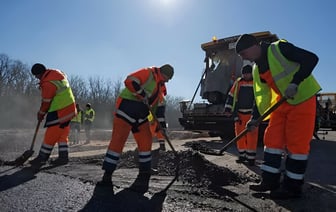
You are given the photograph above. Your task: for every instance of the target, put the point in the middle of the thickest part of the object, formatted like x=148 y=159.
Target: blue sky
x=111 y=38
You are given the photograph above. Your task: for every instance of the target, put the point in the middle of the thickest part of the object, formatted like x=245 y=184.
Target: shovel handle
x=35 y=134
x=258 y=121
x=162 y=130
x=170 y=145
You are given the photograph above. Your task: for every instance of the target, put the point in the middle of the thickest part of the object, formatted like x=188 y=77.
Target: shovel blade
x=211 y=152
x=23 y=158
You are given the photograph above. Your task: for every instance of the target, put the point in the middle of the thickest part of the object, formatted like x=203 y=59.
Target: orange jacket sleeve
x=48 y=91
x=135 y=80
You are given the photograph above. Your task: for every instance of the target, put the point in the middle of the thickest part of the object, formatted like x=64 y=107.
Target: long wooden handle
x=35 y=134
x=258 y=121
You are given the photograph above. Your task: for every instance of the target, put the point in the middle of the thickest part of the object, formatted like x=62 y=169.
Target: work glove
x=143 y=97
x=163 y=124
x=251 y=125
x=291 y=91
x=40 y=116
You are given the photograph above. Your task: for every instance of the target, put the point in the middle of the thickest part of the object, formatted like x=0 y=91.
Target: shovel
x=170 y=145
x=27 y=154
x=244 y=132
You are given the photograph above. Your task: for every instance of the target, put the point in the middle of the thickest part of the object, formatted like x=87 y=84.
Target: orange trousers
x=292 y=127
x=250 y=140
x=120 y=133
x=155 y=130
x=56 y=134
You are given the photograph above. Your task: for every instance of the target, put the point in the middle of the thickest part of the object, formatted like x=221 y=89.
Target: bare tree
x=117 y=86
x=4 y=66
x=16 y=79
x=20 y=96
x=100 y=90
x=79 y=87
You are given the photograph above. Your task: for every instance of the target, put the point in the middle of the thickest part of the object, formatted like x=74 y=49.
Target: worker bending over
x=142 y=90
x=58 y=103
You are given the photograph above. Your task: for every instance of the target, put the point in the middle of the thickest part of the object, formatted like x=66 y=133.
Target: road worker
x=89 y=116
x=159 y=111
x=282 y=70
x=75 y=125
x=58 y=105
x=239 y=104
x=142 y=90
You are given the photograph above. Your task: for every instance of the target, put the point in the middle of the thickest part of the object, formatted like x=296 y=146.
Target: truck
x=222 y=67
x=326 y=111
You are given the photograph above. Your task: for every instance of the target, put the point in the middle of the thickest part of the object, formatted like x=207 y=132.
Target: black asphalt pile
x=194 y=169
x=202 y=146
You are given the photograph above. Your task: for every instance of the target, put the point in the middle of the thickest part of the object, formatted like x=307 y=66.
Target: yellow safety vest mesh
x=77 y=118
x=87 y=112
x=282 y=71
x=64 y=96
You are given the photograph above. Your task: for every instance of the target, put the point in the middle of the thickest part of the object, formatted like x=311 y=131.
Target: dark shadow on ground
x=321 y=160
x=232 y=195
x=17 y=178
x=199 y=145
x=104 y=199
x=321 y=155
x=313 y=197
x=319 y=190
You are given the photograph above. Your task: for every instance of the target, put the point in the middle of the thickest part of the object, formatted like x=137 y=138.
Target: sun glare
x=167 y=2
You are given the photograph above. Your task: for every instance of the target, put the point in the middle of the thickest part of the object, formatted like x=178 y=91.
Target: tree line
x=20 y=96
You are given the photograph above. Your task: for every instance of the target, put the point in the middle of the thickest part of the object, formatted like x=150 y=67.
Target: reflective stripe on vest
x=235 y=93
x=148 y=87
x=63 y=97
x=282 y=71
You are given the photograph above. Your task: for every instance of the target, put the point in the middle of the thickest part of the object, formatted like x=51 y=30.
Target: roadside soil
x=204 y=183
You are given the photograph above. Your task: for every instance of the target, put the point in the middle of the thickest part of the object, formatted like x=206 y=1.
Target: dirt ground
x=205 y=182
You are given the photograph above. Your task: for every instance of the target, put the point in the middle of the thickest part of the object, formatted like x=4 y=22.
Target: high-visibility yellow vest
x=63 y=97
x=77 y=118
x=282 y=71
x=87 y=112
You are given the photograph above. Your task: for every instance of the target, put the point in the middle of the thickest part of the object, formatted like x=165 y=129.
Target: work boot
x=290 y=189
x=285 y=193
x=162 y=147
x=37 y=163
x=106 y=180
x=241 y=159
x=141 y=183
x=263 y=186
x=59 y=161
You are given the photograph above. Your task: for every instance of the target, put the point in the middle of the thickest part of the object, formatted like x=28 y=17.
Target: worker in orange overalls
x=58 y=103
x=282 y=70
x=159 y=118
x=142 y=90
x=239 y=103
